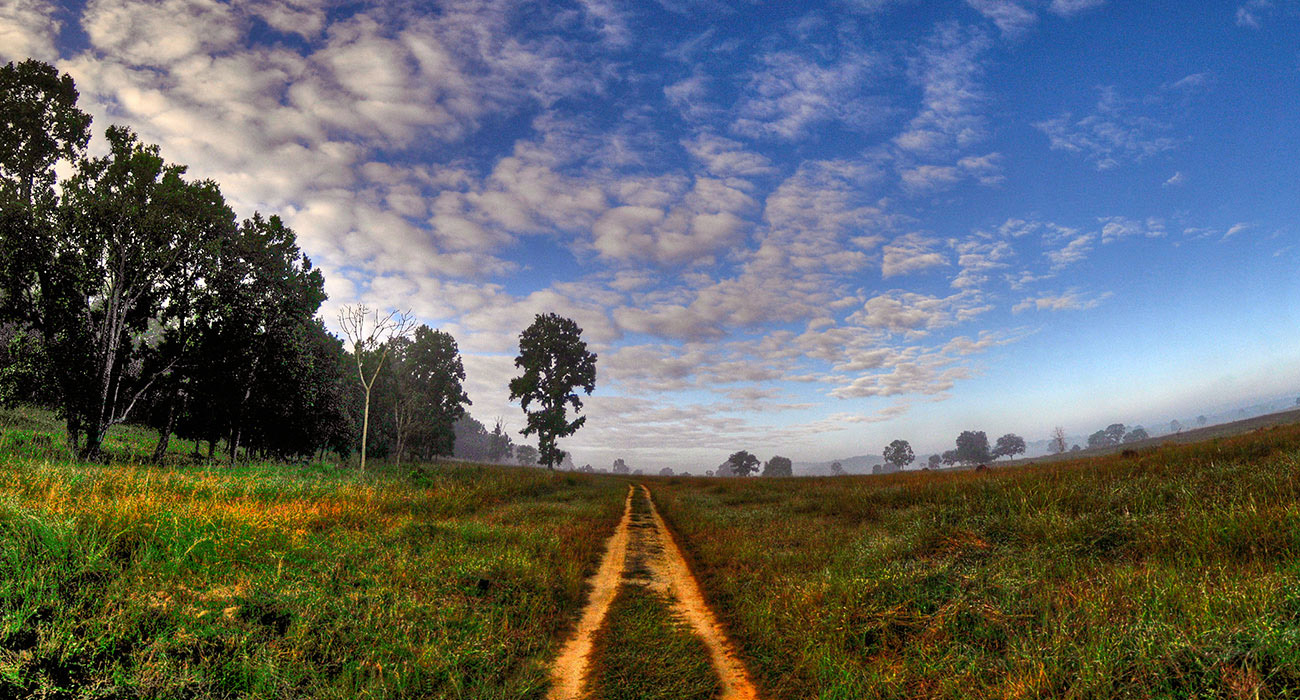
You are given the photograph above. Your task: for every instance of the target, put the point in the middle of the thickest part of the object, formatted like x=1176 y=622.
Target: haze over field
x=796 y=228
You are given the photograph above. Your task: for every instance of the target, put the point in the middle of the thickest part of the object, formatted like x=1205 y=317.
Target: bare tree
x=370 y=333
x=1058 y=440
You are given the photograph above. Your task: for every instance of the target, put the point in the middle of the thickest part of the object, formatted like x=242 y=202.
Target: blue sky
x=795 y=228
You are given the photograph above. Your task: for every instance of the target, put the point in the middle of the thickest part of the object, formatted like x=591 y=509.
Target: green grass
x=127 y=581
x=1173 y=573
x=644 y=652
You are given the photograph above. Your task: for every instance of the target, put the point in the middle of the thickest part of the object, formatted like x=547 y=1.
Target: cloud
x=1074 y=251
x=1176 y=179
x=1236 y=229
x=1011 y=17
x=792 y=93
x=911 y=253
x=1111 y=135
x=1071 y=300
x=28 y=30
x=948 y=70
x=1251 y=14
x=1117 y=227
x=1068 y=8
x=915 y=314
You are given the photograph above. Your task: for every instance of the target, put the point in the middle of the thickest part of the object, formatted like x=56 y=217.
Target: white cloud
x=1251 y=14
x=1236 y=229
x=948 y=70
x=1176 y=179
x=1071 y=300
x=1116 y=227
x=28 y=30
x=1011 y=17
x=791 y=93
x=1067 y=8
x=911 y=253
x=1111 y=134
x=1074 y=251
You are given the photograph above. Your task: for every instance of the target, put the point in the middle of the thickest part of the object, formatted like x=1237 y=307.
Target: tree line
x=130 y=292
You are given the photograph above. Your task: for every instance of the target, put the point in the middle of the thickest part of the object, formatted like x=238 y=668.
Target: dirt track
x=642 y=551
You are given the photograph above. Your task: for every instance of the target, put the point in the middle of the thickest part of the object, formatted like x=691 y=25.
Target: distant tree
x=899 y=453
x=973 y=447
x=555 y=363
x=1009 y=445
x=949 y=457
x=499 y=445
x=837 y=469
x=370 y=335
x=1115 y=433
x=587 y=469
x=778 y=466
x=1076 y=448
x=526 y=455
x=877 y=469
x=1058 y=440
x=934 y=461
x=1136 y=434
x=1297 y=402
x=1099 y=439
x=1201 y=421
x=743 y=463
x=1175 y=426
x=620 y=467
x=708 y=472
x=666 y=471
x=637 y=472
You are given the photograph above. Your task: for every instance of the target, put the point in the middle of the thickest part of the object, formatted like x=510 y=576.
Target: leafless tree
x=1058 y=440
x=370 y=333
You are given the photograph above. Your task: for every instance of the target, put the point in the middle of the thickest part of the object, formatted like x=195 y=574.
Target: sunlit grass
x=452 y=581
x=1171 y=573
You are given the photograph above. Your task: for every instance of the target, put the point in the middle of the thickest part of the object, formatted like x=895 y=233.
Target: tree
x=1175 y=426
x=934 y=461
x=778 y=466
x=620 y=467
x=1009 y=445
x=555 y=361
x=1058 y=440
x=1135 y=435
x=708 y=472
x=1076 y=448
x=973 y=447
x=370 y=335
x=666 y=471
x=1201 y=421
x=1115 y=433
x=743 y=463
x=526 y=455
x=899 y=453
x=949 y=457
x=428 y=394
x=837 y=469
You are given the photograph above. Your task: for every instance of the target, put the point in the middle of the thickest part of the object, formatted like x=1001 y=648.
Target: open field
x=1172 y=573
x=1169 y=573
x=269 y=581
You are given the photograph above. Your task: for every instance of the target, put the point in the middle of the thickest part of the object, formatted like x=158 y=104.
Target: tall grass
x=271 y=582
x=1170 y=573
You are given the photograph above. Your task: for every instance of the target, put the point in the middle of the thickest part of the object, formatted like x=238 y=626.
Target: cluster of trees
x=129 y=292
x=742 y=463
x=1116 y=434
x=973 y=448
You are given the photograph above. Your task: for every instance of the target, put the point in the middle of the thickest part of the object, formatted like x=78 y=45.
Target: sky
x=795 y=228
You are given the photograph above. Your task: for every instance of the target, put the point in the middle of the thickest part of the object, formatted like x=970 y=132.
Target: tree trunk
x=365 y=430
x=165 y=437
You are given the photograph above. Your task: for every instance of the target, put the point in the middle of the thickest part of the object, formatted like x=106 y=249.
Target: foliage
x=1137 y=434
x=778 y=466
x=837 y=469
x=972 y=447
x=899 y=453
x=742 y=463
x=1009 y=445
x=620 y=467
x=555 y=362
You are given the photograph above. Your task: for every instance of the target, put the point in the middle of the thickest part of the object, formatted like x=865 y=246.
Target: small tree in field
x=1058 y=440
x=934 y=461
x=837 y=469
x=743 y=463
x=899 y=453
x=620 y=467
x=555 y=362
x=369 y=333
x=973 y=447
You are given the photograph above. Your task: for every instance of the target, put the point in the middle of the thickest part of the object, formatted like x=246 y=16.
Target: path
x=642 y=551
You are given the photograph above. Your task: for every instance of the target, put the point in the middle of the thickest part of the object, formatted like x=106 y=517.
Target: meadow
x=1170 y=572
x=277 y=581
x=1166 y=572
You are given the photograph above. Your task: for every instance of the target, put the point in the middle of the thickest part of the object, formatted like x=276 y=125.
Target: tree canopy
x=555 y=363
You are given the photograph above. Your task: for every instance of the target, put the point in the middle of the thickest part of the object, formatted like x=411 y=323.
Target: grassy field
x=268 y=581
x=1173 y=573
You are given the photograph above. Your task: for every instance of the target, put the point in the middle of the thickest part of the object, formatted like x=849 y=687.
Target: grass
x=1170 y=573
x=450 y=581
x=644 y=652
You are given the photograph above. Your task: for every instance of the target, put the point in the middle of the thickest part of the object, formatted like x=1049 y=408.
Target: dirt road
x=642 y=551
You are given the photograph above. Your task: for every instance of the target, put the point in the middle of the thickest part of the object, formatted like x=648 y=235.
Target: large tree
x=973 y=447
x=424 y=392
x=743 y=463
x=899 y=453
x=1009 y=445
x=555 y=363
x=778 y=466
